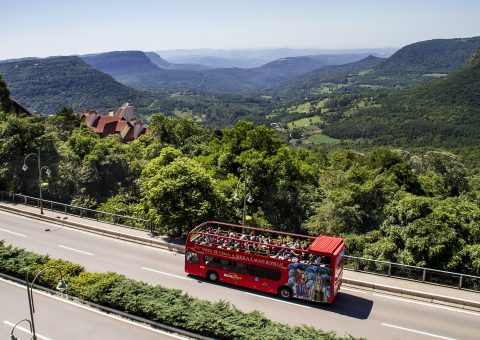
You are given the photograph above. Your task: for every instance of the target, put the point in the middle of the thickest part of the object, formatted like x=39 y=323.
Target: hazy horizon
x=54 y=27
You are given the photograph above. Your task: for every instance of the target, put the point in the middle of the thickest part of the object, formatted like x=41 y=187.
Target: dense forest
x=418 y=208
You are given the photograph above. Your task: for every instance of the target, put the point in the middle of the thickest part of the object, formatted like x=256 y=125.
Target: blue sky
x=63 y=27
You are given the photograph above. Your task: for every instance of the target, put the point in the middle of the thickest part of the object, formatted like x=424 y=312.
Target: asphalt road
x=355 y=312
x=60 y=319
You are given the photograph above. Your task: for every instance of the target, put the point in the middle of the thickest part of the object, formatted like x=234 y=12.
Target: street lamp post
x=246 y=196
x=61 y=286
x=40 y=168
x=12 y=336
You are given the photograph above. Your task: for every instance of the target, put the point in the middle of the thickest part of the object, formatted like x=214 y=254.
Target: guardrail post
x=356 y=265
x=460 y=282
x=424 y=275
x=66 y=212
x=25 y=200
x=51 y=206
x=389 y=269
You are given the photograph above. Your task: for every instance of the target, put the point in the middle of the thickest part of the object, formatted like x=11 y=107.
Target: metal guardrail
x=117 y=219
x=397 y=270
x=421 y=274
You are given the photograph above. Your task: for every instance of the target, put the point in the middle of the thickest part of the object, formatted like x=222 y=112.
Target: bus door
x=193 y=263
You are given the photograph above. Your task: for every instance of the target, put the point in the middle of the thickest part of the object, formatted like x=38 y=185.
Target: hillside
x=46 y=85
x=431 y=56
x=422 y=61
x=310 y=83
x=442 y=112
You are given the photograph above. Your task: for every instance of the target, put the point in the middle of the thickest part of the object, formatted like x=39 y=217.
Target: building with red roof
x=123 y=122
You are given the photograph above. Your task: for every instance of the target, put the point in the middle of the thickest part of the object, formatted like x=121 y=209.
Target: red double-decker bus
x=291 y=265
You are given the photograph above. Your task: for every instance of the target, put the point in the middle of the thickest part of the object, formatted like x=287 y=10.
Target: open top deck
x=263 y=242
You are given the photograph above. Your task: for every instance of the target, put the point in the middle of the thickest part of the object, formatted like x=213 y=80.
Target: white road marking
x=277 y=300
x=353 y=290
x=163 y=273
x=20 y=328
x=76 y=250
x=12 y=232
x=428 y=304
x=97 y=312
x=419 y=332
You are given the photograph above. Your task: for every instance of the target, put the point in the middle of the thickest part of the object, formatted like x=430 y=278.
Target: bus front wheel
x=285 y=293
x=212 y=276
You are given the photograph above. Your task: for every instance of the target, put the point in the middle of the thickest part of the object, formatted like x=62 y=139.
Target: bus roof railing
x=253 y=228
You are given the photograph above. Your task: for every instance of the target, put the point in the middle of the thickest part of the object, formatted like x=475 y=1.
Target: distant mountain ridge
x=136 y=69
x=162 y=63
x=251 y=58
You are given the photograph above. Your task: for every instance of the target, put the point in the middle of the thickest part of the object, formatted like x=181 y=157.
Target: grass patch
x=321 y=139
x=304 y=122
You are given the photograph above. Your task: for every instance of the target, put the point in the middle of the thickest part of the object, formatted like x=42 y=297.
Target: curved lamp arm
x=12 y=336
x=25 y=167
x=61 y=286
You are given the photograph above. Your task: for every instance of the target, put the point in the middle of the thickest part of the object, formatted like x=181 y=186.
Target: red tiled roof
x=107 y=125
x=104 y=120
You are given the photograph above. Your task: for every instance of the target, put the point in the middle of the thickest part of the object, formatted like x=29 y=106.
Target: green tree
x=63 y=122
x=179 y=195
x=4 y=96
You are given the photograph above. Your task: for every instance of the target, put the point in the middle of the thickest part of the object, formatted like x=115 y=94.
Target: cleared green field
x=321 y=139
x=304 y=122
x=435 y=75
x=305 y=107
x=182 y=113
x=320 y=104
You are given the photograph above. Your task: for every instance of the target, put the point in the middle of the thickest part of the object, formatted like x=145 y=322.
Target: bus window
x=240 y=268
x=273 y=274
x=192 y=257
x=210 y=261
x=256 y=271
x=226 y=264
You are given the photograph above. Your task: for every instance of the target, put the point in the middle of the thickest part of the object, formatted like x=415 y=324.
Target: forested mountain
x=431 y=56
x=442 y=112
x=46 y=85
x=135 y=68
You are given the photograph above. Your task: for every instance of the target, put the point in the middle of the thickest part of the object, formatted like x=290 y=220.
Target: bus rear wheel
x=212 y=276
x=285 y=293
